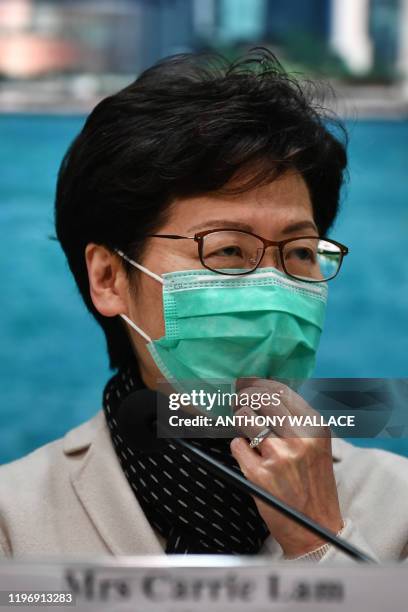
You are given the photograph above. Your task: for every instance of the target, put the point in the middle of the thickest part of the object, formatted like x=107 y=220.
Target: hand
x=297 y=470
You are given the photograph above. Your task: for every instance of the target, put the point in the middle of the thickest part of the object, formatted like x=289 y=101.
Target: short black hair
x=187 y=126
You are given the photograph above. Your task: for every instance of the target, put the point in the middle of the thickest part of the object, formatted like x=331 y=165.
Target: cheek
x=146 y=307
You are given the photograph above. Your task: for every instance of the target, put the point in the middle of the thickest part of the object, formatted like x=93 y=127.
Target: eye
x=303 y=254
x=230 y=251
x=227 y=251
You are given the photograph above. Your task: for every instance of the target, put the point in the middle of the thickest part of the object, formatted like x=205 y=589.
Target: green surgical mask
x=223 y=327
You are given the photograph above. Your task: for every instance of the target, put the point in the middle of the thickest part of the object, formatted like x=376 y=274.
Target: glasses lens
x=312 y=259
x=232 y=251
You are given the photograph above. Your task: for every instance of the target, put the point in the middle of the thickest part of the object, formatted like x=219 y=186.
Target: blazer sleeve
x=331 y=554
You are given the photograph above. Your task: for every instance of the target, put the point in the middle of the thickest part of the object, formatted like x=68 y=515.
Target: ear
x=108 y=283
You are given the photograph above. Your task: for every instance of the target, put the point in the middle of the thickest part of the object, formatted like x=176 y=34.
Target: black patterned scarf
x=193 y=510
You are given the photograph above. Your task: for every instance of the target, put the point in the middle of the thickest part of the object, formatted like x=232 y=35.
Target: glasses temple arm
x=171 y=236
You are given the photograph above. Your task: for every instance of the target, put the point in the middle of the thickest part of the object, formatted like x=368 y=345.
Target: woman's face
x=279 y=210
x=268 y=211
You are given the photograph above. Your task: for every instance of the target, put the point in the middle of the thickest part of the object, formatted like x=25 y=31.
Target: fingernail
x=234 y=444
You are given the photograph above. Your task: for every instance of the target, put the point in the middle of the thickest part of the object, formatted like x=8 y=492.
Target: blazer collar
x=102 y=488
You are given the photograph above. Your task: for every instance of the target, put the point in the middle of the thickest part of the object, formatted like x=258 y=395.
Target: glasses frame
x=199 y=238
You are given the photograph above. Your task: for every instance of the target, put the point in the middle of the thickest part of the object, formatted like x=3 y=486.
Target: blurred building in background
x=287 y=18
x=403 y=46
x=85 y=48
x=385 y=32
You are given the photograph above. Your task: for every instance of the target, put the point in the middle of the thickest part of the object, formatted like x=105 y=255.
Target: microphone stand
x=246 y=486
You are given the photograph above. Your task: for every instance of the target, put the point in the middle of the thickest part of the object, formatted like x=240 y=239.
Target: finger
x=247 y=429
x=259 y=396
x=248 y=460
x=294 y=405
x=266 y=406
x=272 y=447
x=267 y=386
x=272 y=442
x=294 y=402
x=243 y=382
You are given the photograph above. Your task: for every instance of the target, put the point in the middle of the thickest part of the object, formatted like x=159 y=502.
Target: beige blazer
x=71 y=497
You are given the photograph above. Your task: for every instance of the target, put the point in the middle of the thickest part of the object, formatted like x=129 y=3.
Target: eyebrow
x=224 y=223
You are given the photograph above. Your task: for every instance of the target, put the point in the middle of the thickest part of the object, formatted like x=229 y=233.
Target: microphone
x=138 y=425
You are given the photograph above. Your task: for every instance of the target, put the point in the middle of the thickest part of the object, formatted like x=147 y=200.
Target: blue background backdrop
x=53 y=357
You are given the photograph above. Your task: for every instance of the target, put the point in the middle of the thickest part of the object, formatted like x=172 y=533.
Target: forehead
x=284 y=200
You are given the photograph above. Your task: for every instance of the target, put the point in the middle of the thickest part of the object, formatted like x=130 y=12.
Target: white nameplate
x=199 y=583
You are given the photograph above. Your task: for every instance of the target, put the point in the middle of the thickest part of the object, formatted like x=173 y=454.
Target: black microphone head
x=137 y=418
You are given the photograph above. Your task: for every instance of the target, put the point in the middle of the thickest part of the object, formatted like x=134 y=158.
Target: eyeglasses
x=307 y=258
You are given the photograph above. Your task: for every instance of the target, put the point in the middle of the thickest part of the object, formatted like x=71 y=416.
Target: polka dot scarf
x=193 y=510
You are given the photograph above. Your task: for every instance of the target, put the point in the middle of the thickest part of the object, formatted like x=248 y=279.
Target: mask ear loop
x=149 y=273
x=142 y=268
x=136 y=328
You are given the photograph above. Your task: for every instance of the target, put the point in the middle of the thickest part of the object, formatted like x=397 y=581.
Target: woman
x=191 y=209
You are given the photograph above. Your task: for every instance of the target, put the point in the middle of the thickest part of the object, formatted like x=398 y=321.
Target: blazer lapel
x=104 y=491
